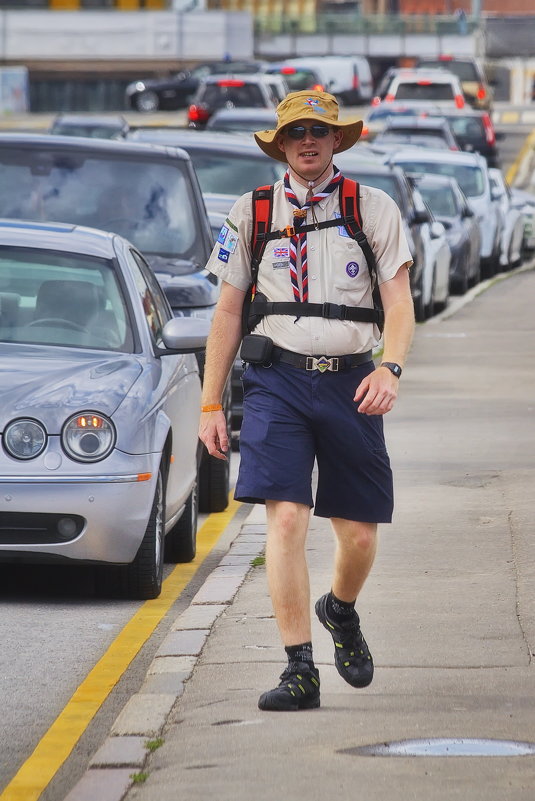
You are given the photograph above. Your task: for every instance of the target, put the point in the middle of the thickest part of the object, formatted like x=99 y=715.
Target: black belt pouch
x=256 y=349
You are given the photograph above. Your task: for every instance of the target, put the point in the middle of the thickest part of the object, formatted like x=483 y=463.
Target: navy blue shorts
x=293 y=416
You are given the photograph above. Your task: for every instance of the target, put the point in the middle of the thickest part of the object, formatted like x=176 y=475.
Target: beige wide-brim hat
x=307 y=105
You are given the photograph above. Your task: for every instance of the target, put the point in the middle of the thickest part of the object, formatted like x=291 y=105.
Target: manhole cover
x=445 y=747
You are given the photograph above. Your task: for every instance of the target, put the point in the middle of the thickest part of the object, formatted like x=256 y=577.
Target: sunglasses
x=316 y=131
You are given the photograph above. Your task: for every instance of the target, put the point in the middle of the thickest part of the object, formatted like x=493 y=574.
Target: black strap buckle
x=331 y=311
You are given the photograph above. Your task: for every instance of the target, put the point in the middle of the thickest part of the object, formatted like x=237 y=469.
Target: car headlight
x=88 y=436
x=24 y=439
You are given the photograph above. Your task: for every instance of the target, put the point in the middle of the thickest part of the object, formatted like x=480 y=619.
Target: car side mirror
x=185 y=335
x=496 y=193
x=437 y=230
x=420 y=217
x=467 y=212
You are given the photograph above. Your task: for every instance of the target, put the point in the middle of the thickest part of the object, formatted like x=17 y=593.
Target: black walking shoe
x=351 y=655
x=299 y=689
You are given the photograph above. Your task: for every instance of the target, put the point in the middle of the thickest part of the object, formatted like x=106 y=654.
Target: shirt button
x=312 y=247
x=313 y=277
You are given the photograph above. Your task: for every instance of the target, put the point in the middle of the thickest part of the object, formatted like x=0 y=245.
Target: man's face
x=308 y=152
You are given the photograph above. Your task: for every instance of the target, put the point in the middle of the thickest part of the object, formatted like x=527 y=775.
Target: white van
x=349 y=78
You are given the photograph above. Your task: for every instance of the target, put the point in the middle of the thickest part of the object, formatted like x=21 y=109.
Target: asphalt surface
x=448 y=611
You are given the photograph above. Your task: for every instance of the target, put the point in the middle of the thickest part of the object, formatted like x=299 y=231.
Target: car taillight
x=481 y=94
x=356 y=82
x=459 y=101
x=288 y=71
x=489 y=130
x=445 y=58
x=376 y=100
x=198 y=114
x=365 y=131
x=318 y=87
x=231 y=82
x=390 y=98
x=424 y=82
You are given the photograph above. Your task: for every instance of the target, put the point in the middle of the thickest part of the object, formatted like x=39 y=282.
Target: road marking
x=529 y=144
x=58 y=742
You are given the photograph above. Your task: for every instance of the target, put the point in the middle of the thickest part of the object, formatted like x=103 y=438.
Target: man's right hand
x=213 y=432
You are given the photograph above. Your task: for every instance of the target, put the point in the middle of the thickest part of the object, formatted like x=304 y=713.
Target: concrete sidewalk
x=448 y=612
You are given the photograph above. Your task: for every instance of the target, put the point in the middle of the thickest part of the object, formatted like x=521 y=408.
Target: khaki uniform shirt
x=337 y=269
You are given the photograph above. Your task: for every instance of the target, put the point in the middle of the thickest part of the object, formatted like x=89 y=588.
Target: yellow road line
x=529 y=143
x=60 y=739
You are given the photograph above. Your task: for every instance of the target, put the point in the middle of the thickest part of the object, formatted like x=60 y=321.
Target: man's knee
x=359 y=535
x=287 y=521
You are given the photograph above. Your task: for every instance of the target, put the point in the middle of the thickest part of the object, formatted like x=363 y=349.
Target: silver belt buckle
x=322 y=364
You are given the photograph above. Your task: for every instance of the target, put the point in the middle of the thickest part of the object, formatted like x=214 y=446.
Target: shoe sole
x=313 y=704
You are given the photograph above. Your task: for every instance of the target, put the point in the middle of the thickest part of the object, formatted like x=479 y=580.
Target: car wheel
x=142 y=579
x=181 y=540
x=147 y=102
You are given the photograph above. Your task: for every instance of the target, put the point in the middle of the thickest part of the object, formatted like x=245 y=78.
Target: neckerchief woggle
x=298 y=242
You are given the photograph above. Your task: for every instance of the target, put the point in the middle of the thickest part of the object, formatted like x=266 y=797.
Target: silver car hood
x=50 y=384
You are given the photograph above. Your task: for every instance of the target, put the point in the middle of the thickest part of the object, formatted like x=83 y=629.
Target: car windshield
x=233 y=93
x=148 y=202
x=297 y=78
x=92 y=131
x=67 y=299
x=229 y=173
x=420 y=90
x=440 y=200
x=469 y=178
x=464 y=70
x=471 y=127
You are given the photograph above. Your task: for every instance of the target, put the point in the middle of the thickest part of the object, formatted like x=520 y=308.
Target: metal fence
x=377 y=24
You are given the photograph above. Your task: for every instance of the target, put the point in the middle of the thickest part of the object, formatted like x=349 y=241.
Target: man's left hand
x=377 y=392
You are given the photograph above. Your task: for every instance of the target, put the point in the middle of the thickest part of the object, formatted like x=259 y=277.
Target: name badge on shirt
x=281 y=265
x=341 y=228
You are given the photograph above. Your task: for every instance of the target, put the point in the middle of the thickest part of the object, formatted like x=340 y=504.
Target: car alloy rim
x=147 y=101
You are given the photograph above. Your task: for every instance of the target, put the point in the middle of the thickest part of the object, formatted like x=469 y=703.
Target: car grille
x=37 y=528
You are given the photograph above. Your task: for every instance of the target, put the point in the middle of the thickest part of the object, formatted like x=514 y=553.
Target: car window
x=148 y=202
x=92 y=131
x=297 y=78
x=235 y=94
x=62 y=299
x=465 y=70
x=471 y=127
x=164 y=310
x=470 y=179
x=418 y=90
x=151 y=307
x=441 y=200
x=233 y=173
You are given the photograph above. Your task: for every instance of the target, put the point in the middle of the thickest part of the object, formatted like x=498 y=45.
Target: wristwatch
x=394 y=368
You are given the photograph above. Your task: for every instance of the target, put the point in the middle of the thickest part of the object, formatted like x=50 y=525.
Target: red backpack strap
x=350 y=209
x=262 y=217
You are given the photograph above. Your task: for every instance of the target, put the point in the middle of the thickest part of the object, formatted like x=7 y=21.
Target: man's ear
x=280 y=142
x=338 y=136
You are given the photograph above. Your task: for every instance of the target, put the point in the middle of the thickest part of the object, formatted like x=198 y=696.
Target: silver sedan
x=99 y=451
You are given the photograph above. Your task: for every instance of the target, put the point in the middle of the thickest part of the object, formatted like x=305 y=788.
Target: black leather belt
x=321 y=363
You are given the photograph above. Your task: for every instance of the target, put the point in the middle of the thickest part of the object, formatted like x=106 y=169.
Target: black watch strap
x=394 y=368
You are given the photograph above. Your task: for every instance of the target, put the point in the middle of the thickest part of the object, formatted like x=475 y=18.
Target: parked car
x=512 y=221
x=228 y=91
x=99 y=452
x=378 y=116
x=472 y=174
x=450 y=207
x=176 y=91
x=242 y=120
x=419 y=131
x=347 y=77
x=525 y=202
x=227 y=166
x=431 y=86
x=92 y=125
x=476 y=88
x=392 y=180
x=474 y=131
x=148 y=194
x=298 y=77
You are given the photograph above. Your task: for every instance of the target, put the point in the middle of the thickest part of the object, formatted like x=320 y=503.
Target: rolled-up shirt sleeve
x=230 y=259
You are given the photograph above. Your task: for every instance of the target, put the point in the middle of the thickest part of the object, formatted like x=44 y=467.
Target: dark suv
x=176 y=91
x=147 y=193
x=227 y=91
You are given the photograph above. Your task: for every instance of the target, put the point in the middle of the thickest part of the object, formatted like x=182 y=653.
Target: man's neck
x=312 y=182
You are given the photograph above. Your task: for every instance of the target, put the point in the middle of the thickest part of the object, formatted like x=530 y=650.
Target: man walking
x=311 y=391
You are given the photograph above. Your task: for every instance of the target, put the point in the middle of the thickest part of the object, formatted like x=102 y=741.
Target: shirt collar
x=301 y=191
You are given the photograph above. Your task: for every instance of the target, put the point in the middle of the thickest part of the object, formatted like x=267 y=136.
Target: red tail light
x=489 y=130
x=198 y=114
x=481 y=94
x=231 y=82
x=424 y=82
x=376 y=100
x=390 y=98
x=356 y=82
x=318 y=87
x=365 y=132
x=459 y=101
x=445 y=58
x=288 y=71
